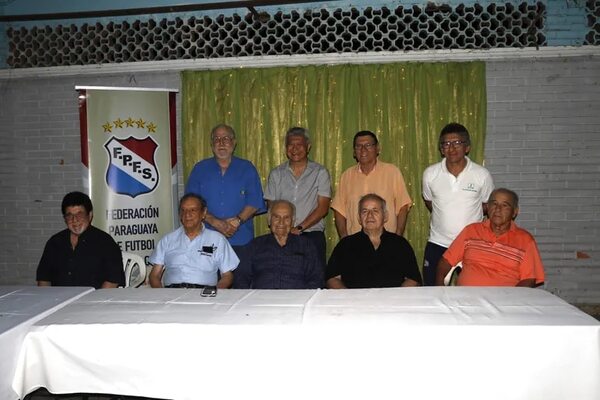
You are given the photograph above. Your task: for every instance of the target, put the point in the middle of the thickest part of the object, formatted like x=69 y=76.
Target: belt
x=185 y=285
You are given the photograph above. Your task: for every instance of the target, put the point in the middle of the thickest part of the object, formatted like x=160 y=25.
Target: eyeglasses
x=75 y=217
x=453 y=143
x=192 y=211
x=367 y=211
x=366 y=146
x=222 y=140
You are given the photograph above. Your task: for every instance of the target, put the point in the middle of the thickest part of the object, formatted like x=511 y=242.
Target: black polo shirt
x=95 y=259
x=361 y=266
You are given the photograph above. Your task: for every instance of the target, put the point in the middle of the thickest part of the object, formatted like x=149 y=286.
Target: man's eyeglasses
x=366 y=211
x=366 y=146
x=453 y=143
x=192 y=211
x=75 y=217
x=222 y=140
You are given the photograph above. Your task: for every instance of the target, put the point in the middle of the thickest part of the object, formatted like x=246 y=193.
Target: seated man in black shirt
x=372 y=257
x=80 y=255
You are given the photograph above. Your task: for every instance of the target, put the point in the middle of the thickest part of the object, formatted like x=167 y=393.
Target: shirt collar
x=202 y=227
x=511 y=228
x=467 y=166
x=367 y=236
x=308 y=166
x=287 y=242
x=374 y=167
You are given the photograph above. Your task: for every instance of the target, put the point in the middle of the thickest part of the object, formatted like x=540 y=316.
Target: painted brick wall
x=566 y=22
x=40 y=161
x=543 y=141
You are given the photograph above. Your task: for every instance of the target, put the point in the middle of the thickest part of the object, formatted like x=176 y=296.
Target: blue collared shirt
x=194 y=261
x=227 y=194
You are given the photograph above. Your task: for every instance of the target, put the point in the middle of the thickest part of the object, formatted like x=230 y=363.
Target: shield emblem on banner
x=131 y=169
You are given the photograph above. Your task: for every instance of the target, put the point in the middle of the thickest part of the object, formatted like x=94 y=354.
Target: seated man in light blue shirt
x=193 y=256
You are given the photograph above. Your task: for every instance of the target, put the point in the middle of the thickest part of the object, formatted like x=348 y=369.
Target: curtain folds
x=405 y=104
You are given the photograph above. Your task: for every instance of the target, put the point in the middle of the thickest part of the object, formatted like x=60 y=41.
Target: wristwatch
x=300 y=228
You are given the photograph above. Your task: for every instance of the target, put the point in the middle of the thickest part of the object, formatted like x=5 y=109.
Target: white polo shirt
x=456 y=201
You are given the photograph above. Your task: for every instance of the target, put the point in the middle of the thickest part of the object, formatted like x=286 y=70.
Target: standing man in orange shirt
x=370 y=176
x=495 y=252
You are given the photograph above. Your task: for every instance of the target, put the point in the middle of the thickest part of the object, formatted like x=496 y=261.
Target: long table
x=20 y=307
x=417 y=343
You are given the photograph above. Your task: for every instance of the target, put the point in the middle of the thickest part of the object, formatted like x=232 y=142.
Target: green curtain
x=405 y=104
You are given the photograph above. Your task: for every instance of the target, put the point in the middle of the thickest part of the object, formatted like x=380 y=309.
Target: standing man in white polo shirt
x=455 y=191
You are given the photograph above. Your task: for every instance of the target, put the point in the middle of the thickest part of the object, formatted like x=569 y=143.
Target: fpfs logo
x=132 y=169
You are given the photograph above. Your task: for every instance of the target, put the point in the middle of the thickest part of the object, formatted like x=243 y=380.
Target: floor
x=591 y=309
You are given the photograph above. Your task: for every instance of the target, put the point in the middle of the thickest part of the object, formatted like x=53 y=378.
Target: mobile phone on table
x=209 y=291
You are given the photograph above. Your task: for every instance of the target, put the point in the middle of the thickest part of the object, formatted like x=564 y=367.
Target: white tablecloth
x=416 y=343
x=20 y=307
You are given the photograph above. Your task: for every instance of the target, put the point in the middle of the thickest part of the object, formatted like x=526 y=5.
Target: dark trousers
x=318 y=239
x=433 y=253
x=242 y=253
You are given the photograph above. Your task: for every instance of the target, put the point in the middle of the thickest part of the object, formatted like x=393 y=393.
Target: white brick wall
x=543 y=141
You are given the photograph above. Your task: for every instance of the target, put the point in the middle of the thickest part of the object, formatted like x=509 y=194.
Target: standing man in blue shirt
x=231 y=187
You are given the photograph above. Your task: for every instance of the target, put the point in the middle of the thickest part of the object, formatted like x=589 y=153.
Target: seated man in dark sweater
x=81 y=255
x=372 y=257
x=280 y=260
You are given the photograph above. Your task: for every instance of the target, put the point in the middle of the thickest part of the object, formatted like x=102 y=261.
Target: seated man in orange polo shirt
x=495 y=252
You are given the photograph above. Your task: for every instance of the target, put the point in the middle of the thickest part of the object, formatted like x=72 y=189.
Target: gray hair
x=228 y=128
x=274 y=203
x=514 y=195
x=297 y=131
x=372 y=196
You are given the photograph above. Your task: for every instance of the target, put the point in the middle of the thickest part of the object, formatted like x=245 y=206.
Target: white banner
x=128 y=149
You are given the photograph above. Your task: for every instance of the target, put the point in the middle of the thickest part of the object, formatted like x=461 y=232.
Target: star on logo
x=107 y=127
x=151 y=127
x=140 y=123
x=119 y=123
x=129 y=121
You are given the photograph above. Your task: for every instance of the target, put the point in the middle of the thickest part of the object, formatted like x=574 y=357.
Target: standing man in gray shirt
x=304 y=183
